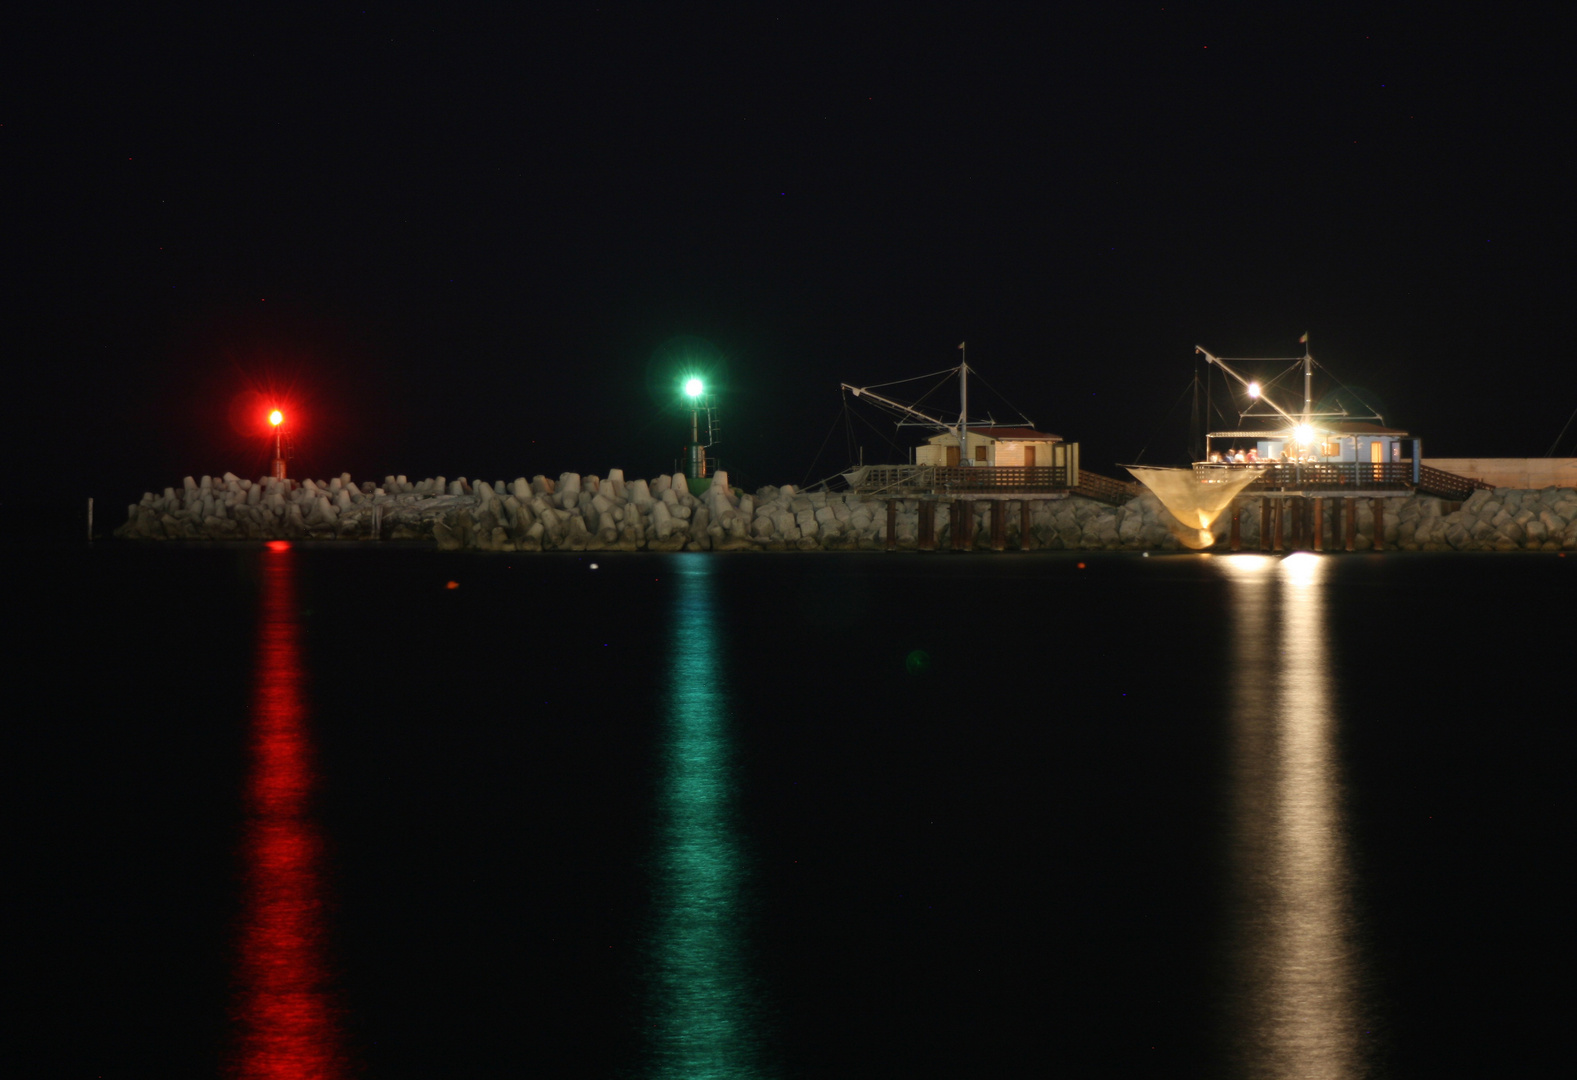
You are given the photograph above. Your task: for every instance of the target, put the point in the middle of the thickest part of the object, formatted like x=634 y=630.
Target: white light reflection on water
x=705 y=1017
x=1295 y=1009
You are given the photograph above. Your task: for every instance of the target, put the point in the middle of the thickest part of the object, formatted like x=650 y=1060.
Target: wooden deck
x=1345 y=478
x=990 y=481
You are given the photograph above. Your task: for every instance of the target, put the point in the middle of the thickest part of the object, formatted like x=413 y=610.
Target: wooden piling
x=1351 y=522
x=1319 y=524
x=999 y=525
x=1023 y=526
x=1264 y=522
x=892 y=524
x=1280 y=513
x=927 y=539
x=1379 y=524
x=1237 y=528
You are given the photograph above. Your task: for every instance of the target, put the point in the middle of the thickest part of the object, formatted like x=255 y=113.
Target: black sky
x=465 y=241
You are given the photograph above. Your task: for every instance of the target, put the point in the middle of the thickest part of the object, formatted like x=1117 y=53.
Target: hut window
x=980 y=453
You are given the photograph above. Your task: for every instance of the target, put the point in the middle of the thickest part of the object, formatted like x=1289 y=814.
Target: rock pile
x=1505 y=519
x=590 y=513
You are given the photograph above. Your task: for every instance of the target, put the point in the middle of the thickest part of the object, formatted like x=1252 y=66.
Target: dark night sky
x=466 y=241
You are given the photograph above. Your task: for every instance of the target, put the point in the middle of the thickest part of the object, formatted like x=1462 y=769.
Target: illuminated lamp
x=1253 y=389
x=277 y=418
x=1304 y=434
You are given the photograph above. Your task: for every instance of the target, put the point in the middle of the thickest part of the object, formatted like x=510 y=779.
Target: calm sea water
x=286 y=811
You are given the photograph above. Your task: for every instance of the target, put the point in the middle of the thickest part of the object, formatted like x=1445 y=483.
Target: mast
x=963 y=404
x=1308 y=383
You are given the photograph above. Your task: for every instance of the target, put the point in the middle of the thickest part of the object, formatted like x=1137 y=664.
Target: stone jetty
x=592 y=513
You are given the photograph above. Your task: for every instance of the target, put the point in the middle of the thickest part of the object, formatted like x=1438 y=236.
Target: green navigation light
x=693 y=388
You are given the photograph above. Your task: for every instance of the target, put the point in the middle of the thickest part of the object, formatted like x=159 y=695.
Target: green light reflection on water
x=705 y=1017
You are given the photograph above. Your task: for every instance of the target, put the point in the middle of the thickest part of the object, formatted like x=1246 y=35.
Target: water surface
x=300 y=811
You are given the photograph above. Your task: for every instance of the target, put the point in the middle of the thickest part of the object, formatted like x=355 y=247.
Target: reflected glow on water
x=704 y=1017
x=285 y=1018
x=1295 y=1012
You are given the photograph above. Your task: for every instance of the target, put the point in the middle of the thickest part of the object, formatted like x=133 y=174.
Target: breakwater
x=592 y=513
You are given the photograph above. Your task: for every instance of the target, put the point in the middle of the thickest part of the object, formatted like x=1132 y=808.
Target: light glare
x=1253 y=389
x=276 y=418
x=692 y=387
x=1304 y=433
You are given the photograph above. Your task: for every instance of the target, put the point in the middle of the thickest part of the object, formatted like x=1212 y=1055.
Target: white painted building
x=995 y=446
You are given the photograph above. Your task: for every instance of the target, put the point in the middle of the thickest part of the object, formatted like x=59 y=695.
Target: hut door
x=952 y=456
x=1029 y=457
x=1376 y=452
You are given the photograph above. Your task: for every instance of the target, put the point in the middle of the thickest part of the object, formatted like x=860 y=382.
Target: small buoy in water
x=1147 y=554
x=452 y=585
x=594 y=566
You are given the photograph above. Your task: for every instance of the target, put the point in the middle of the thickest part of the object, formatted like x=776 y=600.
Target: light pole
x=277 y=418
x=696 y=458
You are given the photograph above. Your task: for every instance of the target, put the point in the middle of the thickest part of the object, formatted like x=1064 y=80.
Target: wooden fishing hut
x=1306 y=458
x=970 y=460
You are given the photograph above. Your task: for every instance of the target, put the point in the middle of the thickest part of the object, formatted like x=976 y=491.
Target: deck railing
x=1105 y=489
x=1352 y=476
x=1314 y=475
x=967 y=480
x=1447 y=485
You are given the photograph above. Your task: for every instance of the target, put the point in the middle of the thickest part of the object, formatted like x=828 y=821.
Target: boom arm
x=860 y=391
x=1216 y=360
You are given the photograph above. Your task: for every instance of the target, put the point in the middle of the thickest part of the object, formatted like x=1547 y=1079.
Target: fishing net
x=1194 y=503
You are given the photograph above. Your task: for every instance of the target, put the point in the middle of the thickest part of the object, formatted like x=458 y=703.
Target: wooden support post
x=1319 y=524
x=1281 y=512
x=1237 y=528
x=1351 y=523
x=955 y=523
x=1264 y=522
x=892 y=524
x=999 y=524
x=1379 y=524
x=927 y=541
x=1336 y=524
x=1023 y=526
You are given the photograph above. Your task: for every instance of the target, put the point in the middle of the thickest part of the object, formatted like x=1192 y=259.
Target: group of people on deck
x=1251 y=457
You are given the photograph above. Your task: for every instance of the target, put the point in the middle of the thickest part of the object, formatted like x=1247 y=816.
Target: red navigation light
x=276 y=418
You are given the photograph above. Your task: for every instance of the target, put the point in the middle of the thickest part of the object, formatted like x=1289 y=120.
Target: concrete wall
x=1524 y=473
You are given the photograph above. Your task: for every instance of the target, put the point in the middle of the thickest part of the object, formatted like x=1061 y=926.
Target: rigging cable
x=1551 y=451
x=912 y=378
x=843 y=408
x=1004 y=398
x=1192 y=383
x=1337 y=380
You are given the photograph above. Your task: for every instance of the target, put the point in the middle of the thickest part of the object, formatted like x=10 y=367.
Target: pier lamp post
x=277 y=419
x=694 y=389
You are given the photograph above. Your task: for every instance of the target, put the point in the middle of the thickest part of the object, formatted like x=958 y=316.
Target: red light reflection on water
x=286 y=1020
